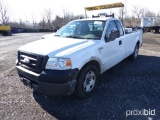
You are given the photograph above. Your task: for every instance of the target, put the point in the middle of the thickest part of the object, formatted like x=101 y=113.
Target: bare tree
x=58 y=22
x=158 y=15
x=68 y=16
x=42 y=24
x=120 y=13
x=138 y=12
x=34 y=20
x=48 y=13
x=149 y=14
x=46 y=20
x=4 y=13
x=21 y=23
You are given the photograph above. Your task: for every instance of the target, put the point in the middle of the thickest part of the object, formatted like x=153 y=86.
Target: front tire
x=86 y=81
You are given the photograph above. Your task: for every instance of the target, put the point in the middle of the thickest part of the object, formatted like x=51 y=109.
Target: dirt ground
x=130 y=85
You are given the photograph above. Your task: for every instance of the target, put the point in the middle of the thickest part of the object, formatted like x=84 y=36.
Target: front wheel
x=134 y=55
x=86 y=81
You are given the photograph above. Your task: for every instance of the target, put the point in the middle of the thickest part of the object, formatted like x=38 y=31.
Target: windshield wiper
x=74 y=36
x=57 y=35
x=92 y=38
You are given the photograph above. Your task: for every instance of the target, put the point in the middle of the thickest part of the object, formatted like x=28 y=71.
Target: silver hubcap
x=89 y=82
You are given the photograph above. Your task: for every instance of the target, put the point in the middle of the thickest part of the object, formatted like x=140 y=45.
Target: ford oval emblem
x=26 y=60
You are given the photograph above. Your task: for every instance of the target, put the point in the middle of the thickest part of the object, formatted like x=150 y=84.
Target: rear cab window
x=119 y=26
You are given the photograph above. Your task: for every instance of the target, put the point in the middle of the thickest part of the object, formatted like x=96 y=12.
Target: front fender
x=94 y=58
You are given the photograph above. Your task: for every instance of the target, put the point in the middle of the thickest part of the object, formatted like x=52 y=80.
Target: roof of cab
x=100 y=18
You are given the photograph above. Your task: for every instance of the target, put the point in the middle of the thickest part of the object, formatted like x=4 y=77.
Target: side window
x=119 y=26
x=111 y=27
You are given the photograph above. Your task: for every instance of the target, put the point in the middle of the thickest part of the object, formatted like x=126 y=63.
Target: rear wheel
x=135 y=53
x=86 y=81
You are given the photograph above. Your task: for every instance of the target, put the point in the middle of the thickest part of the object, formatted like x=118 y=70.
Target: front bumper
x=49 y=82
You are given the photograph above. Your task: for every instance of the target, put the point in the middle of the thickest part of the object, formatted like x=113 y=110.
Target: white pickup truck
x=71 y=61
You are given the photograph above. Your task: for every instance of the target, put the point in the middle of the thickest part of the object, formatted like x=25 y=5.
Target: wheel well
x=93 y=62
x=138 y=43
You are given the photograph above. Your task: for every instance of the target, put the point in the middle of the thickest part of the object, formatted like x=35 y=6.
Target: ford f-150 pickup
x=71 y=61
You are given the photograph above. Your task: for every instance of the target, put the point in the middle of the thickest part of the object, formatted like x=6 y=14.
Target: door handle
x=100 y=48
x=120 y=42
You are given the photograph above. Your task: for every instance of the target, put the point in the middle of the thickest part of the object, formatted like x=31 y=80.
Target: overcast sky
x=24 y=9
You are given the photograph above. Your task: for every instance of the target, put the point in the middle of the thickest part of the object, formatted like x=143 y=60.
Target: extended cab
x=71 y=61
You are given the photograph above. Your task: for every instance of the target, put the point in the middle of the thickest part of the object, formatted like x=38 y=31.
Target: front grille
x=30 y=61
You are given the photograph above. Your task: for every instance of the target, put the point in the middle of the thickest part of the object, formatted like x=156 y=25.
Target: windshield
x=87 y=29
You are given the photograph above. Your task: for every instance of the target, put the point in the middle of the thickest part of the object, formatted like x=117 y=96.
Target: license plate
x=27 y=83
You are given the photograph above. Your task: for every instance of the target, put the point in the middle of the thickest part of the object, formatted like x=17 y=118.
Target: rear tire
x=86 y=81
x=134 y=55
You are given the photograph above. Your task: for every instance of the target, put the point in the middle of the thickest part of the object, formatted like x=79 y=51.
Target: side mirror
x=114 y=34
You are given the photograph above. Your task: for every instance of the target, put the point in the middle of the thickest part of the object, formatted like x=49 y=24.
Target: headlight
x=58 y=64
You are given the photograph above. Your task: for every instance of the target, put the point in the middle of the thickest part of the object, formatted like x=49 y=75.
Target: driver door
x=112 y=49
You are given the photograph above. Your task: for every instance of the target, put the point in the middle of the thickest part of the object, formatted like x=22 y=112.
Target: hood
x=54 y=47
x=48 y=36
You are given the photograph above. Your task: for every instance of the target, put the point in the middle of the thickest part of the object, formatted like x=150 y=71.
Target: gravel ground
x=125 y=87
